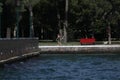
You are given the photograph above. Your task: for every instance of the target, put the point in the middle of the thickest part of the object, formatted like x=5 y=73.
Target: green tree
x=93 y=15
x=18 y=8
x=29 y=4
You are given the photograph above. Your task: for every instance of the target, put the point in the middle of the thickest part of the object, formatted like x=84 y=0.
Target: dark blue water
x=64 y=67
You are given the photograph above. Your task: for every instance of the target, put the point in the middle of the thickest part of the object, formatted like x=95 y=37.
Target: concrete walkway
x=80 y=49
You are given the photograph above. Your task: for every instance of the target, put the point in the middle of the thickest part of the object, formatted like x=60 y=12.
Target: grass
x=51 y=43
x=55 y=43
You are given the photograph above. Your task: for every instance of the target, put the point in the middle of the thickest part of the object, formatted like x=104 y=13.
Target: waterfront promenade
x=80 y=49
x=74 y=49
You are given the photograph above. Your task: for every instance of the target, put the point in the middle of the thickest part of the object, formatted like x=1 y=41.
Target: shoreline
x=75 y=49
x=81 y=49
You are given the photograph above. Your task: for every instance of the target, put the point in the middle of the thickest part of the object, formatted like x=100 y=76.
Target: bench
x=85 y=41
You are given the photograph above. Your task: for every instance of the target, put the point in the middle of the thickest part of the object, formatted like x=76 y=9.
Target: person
x=58 y=39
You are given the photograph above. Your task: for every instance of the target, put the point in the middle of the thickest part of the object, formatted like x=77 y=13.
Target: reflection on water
x=64 y=67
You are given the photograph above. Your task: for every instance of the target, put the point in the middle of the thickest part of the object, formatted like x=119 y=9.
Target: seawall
x=82 y=49
x=14 y=49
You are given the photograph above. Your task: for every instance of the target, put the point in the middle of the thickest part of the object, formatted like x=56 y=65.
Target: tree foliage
x=86 y=18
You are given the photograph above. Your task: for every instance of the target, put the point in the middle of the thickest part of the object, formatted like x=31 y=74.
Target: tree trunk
x=17 y=18
x=0 y=26
x=59 y=23
x=0 y=20
x=15 y=32
x=8 y=33
x=109 y=34
x=66 y=22
x=31 y=21
x=42 y=32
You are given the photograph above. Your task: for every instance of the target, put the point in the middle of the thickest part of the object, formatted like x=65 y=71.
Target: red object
x=87 y=41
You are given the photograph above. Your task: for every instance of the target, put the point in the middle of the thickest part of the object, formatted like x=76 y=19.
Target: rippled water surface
x=64 y=67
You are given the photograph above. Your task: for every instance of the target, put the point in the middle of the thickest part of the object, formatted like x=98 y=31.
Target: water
x=64 y=67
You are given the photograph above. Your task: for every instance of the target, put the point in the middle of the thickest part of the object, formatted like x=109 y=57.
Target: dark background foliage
x=86 y=18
